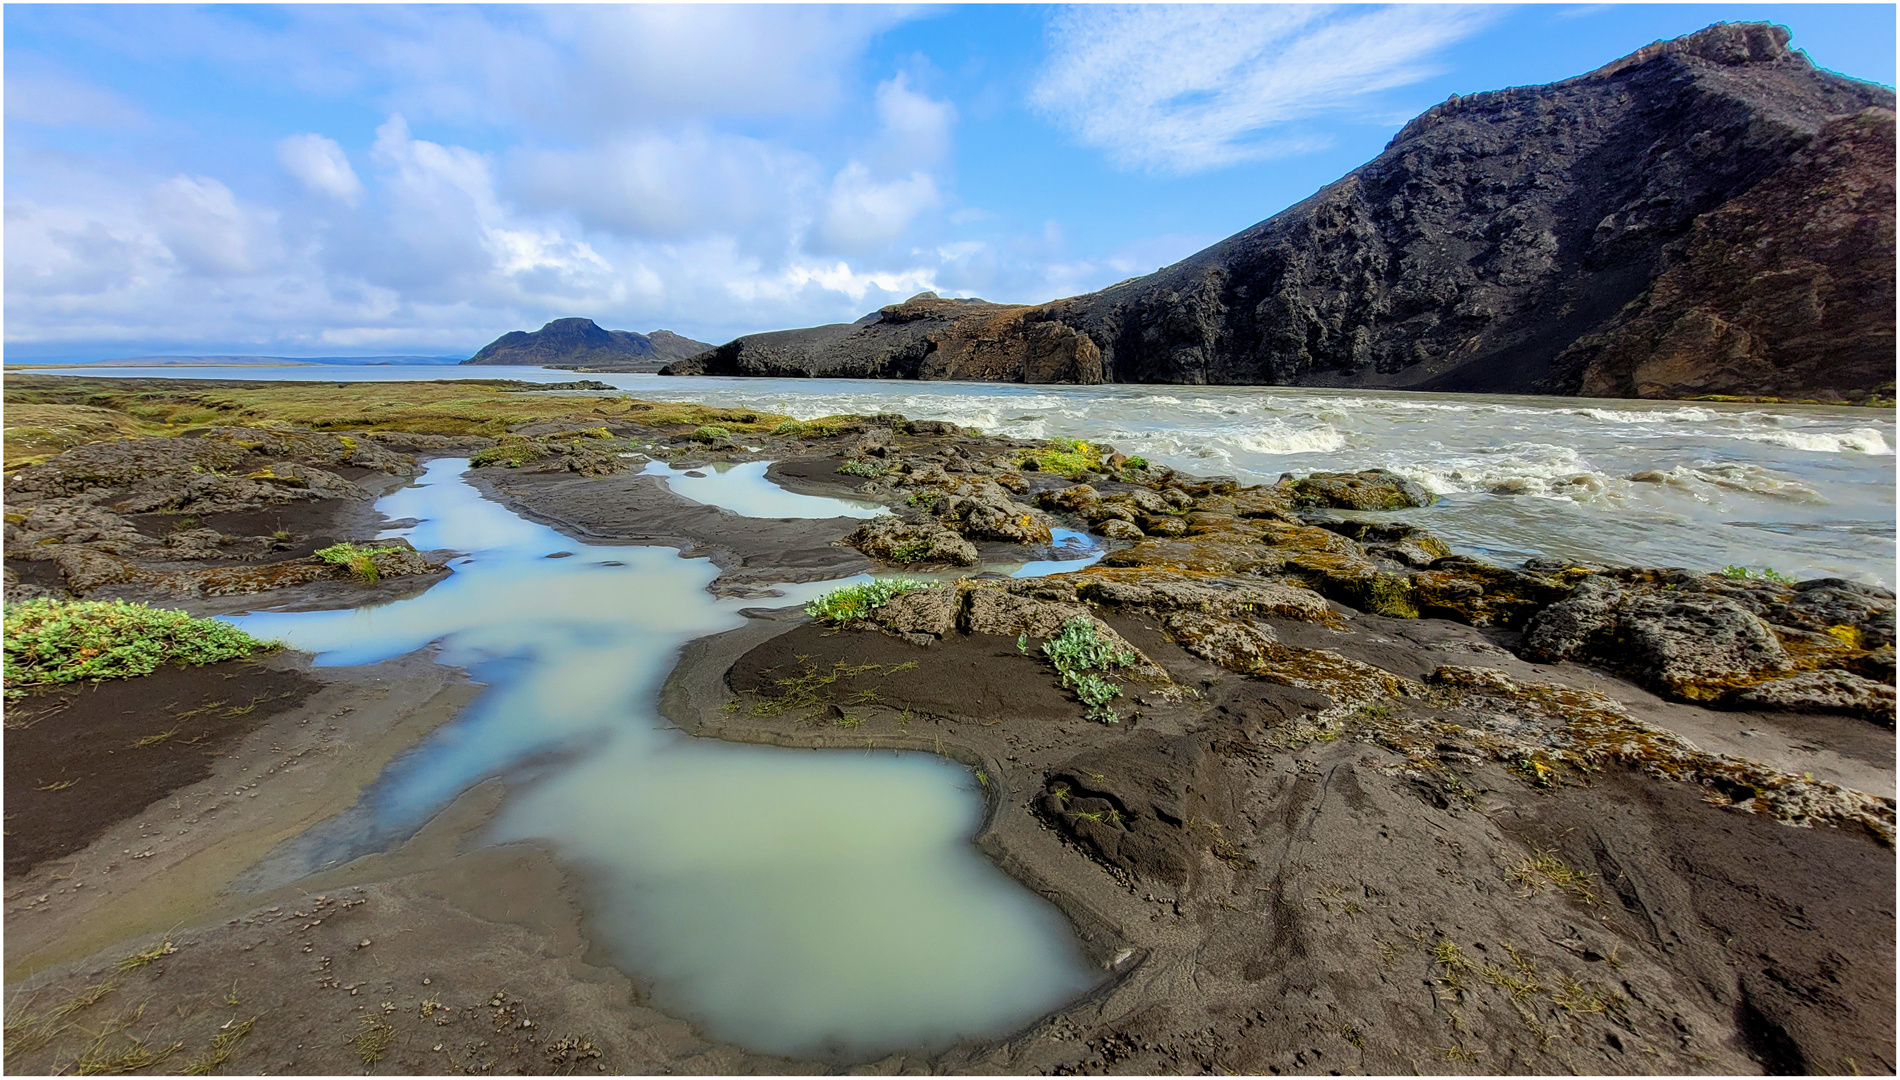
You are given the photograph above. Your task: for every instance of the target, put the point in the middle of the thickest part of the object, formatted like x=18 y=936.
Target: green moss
x=511 y=452
x=857 y=467
x=1069 y=457
x=49 y=642
x=712 y=433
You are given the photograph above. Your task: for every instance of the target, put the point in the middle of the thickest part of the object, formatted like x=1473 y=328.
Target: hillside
x=581 y=345
x=1709 y=215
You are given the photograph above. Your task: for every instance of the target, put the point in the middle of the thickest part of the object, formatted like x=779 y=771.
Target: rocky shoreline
x=1365 y=806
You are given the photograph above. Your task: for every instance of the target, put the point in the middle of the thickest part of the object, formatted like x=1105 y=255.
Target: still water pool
x=792 y=901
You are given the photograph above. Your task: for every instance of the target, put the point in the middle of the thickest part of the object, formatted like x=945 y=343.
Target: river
x=1806 y=491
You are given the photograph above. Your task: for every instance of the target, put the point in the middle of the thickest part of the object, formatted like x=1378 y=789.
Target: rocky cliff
x=579 y=343
x=1709 y=215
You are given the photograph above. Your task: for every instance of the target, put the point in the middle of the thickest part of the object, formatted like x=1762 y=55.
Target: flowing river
x=792 y=901
x=1804 y=490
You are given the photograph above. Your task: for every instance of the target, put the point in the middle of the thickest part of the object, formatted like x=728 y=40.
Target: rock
x=1231 y=643
x=1370 y=489
x=1821 y=691
x=1696 y=217
x=1564 y=629
x=1160 y=592
x=895 y=541
x=985 y=511
x=1117 y=529
x=85 y=569
x=925 y=611
x=1072 y=499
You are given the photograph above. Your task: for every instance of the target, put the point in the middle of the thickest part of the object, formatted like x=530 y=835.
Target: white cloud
x=863 y=214
x=54 y=100
x=200 y=222
x=916 y=129
x=1182 y=89
x=673 y=185
x=321 y=166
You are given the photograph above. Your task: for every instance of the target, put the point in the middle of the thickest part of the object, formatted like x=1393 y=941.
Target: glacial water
x=1805 y=490
x=792 y=901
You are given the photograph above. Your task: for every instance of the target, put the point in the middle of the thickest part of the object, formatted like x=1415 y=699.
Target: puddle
x=792 y=901
x=1077 y=548
x=743 y=489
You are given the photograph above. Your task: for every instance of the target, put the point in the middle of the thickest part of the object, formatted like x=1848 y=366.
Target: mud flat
x=1364 y=806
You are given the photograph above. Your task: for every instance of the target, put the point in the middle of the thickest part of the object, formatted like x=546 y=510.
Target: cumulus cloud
x=869 y=206
x=321 y=166
x=1184 y=89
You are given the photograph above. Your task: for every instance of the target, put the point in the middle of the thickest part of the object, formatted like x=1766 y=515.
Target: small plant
x=711 y=433
x=1136 y=462
x=152 y=955
x=1022 y=644
x=361 y=561
x=373 y=1041
x=1743 y=573
x=858 y=467
x=858 y=601
x=1079 y=652
x=49 y=642
x=1545 y=869
x=222 y=1044
x=910 y=552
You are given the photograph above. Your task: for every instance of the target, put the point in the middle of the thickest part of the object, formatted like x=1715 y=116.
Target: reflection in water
x=792 y=901
x=743 y=489
x=1078 y=549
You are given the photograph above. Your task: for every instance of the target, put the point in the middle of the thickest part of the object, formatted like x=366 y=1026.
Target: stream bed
x=810 y=903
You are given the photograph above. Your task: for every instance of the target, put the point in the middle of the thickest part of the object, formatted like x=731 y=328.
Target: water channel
x=792 y=901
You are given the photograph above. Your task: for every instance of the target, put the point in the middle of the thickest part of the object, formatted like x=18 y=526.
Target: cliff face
x=1495 y=245
x=567 y=343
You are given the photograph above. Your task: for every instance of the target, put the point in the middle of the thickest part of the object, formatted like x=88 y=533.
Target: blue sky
x=324 y=180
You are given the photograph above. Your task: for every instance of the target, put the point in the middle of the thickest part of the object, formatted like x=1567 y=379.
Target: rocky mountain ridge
x=582 y=345
x=1711 y=215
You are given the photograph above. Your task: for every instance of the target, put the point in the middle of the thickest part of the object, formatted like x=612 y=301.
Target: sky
x=355 y=180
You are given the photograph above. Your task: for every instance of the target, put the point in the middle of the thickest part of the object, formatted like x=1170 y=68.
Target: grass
x=49 y=414
x=222 y=1045
x=150 y=956
x=813 y=689
x=857 y=467
x=711 y=433
x=1743 y=573
x=373 y=1041
x=52 y=642
x=858 y=601
x=1080 y=655
x=361 y=561
x=1544 y=869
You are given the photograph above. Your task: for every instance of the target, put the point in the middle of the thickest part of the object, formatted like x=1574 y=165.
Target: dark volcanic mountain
x=578 y=343
x=1709 y=215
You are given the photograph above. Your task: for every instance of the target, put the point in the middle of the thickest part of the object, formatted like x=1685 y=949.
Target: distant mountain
x=581 y=345
x=244 y=361
x=1708 y=215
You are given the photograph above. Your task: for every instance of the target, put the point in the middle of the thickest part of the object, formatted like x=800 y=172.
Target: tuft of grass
x=360 y=560
x=137 y=1057
x=152 y=955
x=50 y=642
x=711 y=433
x=858 y=601
x=222 y=1045
x=1080 y=655
x=1545 y=869
x=373 y=1041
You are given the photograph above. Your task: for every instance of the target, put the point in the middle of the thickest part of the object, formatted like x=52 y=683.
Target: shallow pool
x=792 y=901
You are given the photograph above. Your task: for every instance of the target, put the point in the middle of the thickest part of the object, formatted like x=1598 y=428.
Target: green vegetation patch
x=859 y=467
x=1069 y=457
x=1743 y=573
x=360 y=560
x=1082 y=656
x=712 y=433
x=858 y=601
x=50 y=642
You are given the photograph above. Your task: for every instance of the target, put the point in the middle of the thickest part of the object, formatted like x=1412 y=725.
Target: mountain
x=579 y=344
x=1709 y=215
